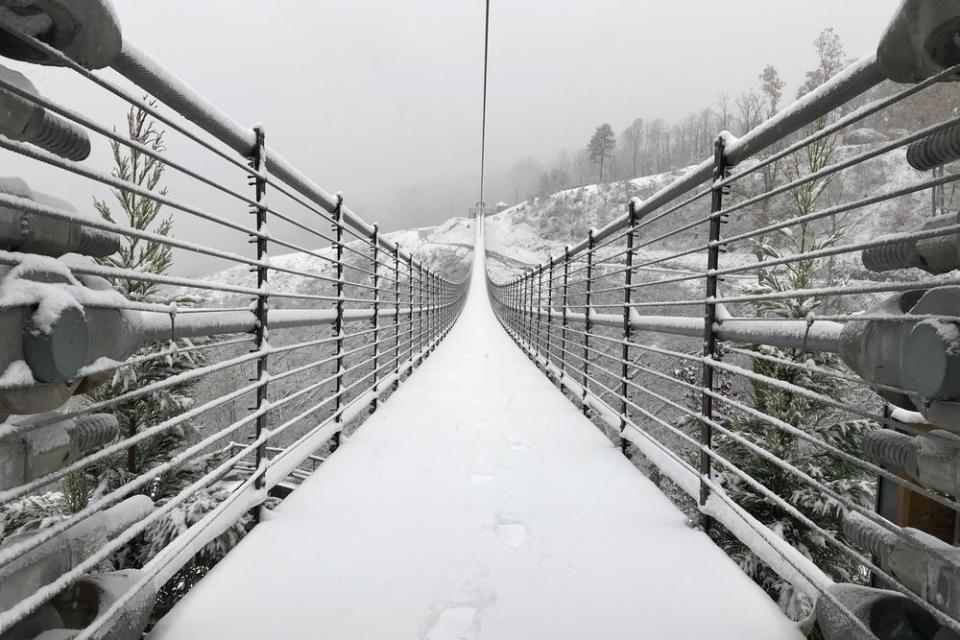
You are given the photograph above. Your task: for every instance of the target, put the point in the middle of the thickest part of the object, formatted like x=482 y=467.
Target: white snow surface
x=477 y=503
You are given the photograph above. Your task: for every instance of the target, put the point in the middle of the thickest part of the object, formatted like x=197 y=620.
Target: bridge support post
x=375 y=262
x=627 y=327
x=709 y=322
x=262 y=332
x=338 y=324
x=588 y=325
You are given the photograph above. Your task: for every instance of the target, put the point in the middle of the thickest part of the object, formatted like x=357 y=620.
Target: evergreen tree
x=806 y=369
x=817 y=419
x=771 y=85
x=601 y=146
x=142 y=213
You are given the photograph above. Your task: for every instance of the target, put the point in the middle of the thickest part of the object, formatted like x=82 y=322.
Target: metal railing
x=775 y=334
x=314 y=326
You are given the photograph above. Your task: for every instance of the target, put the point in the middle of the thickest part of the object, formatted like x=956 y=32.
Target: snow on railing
x=147 y=417
x=805 y=411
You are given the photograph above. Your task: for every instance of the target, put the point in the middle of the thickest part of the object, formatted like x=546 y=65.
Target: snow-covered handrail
x=790 y=353
x=125 y=389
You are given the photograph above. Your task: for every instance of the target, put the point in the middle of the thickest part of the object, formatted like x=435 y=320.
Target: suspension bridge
x=650 y=433
x=512 y=517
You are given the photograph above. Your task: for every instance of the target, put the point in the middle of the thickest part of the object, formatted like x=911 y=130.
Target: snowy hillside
x=531 y=231
x=445 y=248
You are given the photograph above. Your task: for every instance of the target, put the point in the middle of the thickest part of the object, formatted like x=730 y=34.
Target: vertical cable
x=483 y=128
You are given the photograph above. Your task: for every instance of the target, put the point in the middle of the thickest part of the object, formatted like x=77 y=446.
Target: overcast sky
x=381 y=99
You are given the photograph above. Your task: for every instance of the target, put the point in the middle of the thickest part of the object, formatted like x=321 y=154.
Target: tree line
x=648 y=146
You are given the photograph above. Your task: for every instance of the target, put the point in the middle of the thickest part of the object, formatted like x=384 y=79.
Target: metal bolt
x=943 y=147
x=26 y=121
x=938 y=254
x=32 y=233
x=891 y=449
x=87 y=31
x=931 y=459
x=920 y=41
x=57 y=352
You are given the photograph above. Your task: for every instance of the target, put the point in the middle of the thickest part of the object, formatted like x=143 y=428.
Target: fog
x=382 y=100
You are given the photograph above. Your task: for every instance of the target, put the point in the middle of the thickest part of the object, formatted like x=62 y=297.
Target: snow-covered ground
x=477 y=503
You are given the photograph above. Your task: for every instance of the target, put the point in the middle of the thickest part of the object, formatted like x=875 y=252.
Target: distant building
x=500 y=206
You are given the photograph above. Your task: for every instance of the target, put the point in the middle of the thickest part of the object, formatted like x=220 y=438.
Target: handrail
x=773 y=400
x=267 y=363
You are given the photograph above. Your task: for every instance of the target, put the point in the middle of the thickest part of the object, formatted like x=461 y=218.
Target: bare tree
x=633 y=136
x=832 y=58
x=750 y=107
x=723 y=115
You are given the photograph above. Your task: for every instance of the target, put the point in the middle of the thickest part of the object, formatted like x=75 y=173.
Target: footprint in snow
x=456 y=623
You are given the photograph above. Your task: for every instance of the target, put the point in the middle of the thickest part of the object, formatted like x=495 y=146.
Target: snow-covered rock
x=864 y=136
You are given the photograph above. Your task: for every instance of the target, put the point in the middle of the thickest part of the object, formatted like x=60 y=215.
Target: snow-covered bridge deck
x=477 y=503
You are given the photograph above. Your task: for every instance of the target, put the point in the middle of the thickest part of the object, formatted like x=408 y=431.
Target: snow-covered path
x=477 y=503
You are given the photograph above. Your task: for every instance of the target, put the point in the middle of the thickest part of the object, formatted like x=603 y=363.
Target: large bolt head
x=86 y=31
x=887 y=614
x=921 y=40
x=57 y=354
x=15 y=112
x=930 y=359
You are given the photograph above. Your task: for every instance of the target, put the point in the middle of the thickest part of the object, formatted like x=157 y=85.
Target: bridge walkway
x=477 y=503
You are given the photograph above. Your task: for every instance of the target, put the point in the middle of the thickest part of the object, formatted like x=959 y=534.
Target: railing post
x=627 y=327
x=435 y=308
x=566 y=305
x=588 y=302
x=262 y=333
x=376 y=317
x=521 y=312
x=420 y=284
x=709 y=320
x=522 y=300
x=550 y=314
x=514 y=303
x=521 y=307
x=539 y=309
x=338 y=324
x=396 y=317
x=431 y=304
x=410 y=301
